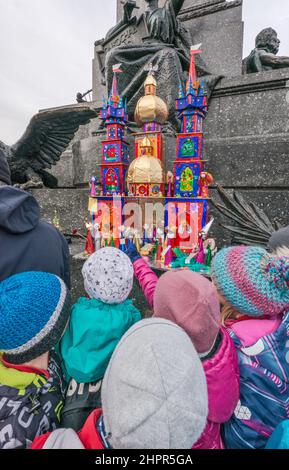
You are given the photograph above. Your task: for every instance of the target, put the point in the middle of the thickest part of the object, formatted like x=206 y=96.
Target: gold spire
x=150 y=85
x=146 y=142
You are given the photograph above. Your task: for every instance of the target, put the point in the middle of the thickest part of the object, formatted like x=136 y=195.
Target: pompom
x=277 y=270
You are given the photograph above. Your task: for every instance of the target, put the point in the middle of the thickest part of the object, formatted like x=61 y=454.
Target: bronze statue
x=45 y=139
x=81 y=97
x=264 y=56
x=166 y=44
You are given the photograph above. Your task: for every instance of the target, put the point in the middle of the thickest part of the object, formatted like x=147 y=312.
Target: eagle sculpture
x=249 y=225
x=46 y=138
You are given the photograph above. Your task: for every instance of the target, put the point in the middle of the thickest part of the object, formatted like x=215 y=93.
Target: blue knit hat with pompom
x=34 y=311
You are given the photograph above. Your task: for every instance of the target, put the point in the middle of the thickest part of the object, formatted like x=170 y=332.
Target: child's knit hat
x=34 y=311
x=154 y=392
x=252 y=281
x=189 y=300
x=108 y=276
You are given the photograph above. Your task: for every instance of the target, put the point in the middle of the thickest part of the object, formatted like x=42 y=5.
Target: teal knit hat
x=34 y=311
x=252 y=281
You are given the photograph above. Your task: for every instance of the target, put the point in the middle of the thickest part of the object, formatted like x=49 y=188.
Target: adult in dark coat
x=26 y=242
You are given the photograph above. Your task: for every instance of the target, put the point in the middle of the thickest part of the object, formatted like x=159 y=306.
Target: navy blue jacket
x=26 y=242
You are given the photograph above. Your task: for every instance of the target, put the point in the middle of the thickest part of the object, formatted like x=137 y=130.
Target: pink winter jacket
x=147 y=279
x=222 y=371
x=223 y=381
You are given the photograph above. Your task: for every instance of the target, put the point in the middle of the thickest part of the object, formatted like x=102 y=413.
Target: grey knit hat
x=5 y=176
x=154 y=393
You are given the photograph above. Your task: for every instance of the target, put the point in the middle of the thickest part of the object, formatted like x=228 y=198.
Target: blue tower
x=192 y=106
x=115 y=150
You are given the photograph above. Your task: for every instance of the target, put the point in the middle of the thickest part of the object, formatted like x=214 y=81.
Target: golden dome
x=145 y=169
x=151 y=108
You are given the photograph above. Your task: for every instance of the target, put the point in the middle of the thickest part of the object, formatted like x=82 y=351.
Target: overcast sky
x=46 y=48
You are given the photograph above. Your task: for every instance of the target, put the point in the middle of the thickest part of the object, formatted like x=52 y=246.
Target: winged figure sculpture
x=45 y=139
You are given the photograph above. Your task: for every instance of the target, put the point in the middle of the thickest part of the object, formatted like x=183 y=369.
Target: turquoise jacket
x=93 y=333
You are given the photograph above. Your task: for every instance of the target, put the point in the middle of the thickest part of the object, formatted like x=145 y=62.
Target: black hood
x=5 y=175
x=19 y=211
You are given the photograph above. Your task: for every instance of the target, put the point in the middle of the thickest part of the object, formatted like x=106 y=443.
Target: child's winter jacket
x=147 y=279
x=263 y=354
x=31 y=402
x=93 y=333
x=280 y=437
x=222 y=374
x=81 y=399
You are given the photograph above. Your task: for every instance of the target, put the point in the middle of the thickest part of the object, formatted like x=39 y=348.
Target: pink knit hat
x=189 y=300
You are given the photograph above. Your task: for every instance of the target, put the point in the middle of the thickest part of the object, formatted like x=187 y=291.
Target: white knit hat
x=108 y=276
x=154 y=393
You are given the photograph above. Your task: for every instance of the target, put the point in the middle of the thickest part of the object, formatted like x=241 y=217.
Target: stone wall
x=274 y=202
x=218 y=25
x=246 y=131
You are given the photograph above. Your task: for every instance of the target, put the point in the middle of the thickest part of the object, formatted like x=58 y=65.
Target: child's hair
x=228 y=313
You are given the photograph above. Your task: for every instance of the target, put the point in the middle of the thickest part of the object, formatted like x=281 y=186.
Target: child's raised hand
x=132 y=253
